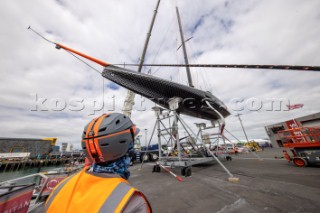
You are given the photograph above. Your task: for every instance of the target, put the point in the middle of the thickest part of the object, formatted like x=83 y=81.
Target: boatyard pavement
x=267 y=184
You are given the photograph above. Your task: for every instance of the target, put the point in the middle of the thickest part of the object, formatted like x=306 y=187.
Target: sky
x=45 y=92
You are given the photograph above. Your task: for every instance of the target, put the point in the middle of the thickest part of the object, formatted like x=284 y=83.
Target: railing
x=300 y=137
x=45 y=184
x=14 y=181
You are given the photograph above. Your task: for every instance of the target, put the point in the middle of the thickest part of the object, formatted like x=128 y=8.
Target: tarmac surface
x=267 y=184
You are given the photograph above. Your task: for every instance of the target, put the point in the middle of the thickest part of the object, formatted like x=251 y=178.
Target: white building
x=66 y=147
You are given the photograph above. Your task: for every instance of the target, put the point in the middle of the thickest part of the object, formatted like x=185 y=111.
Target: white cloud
x=244 y=32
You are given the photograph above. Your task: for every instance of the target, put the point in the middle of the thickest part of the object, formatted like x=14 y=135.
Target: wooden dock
x=15 y=165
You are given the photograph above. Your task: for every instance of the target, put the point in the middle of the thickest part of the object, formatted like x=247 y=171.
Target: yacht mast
x=129 y=102
x=184 y=50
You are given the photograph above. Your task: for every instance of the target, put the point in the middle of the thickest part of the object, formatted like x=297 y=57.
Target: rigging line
x=274 y=67
x=202 y=74
x=205 y=83
x=29 y=28
x=162 y=42
x=86 y=63
x=173 y=16
x=232 y=135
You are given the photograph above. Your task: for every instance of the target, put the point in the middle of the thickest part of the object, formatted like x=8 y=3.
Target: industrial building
x=312 y=120
x=36 y=147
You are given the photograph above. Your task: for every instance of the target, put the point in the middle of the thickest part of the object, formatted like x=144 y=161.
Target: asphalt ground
x=268 y=183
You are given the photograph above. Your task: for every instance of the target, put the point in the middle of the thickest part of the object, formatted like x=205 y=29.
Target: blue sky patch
x=198 y=23
x=113 y=86
x=276 y=84
x=60 y=2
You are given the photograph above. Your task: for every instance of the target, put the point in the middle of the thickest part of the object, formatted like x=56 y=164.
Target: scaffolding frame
x=199 y=152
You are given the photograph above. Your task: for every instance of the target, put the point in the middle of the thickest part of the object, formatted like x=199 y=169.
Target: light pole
x=146 y=137
x=238 y=115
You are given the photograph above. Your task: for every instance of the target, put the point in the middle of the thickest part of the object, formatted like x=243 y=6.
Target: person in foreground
x=102 y=187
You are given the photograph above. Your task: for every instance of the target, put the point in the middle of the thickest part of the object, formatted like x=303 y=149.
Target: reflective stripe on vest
x=122 y=191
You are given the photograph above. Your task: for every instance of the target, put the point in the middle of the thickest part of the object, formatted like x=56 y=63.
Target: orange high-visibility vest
x=88 y=192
